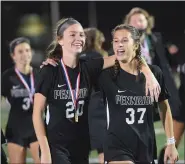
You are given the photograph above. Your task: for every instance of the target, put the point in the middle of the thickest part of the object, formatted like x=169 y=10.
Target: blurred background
x=36 y=20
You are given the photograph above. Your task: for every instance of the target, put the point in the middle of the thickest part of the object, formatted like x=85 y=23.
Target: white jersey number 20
x=70 y=109
x=131 y=111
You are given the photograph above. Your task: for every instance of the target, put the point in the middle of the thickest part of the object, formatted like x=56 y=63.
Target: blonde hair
x=138 y=10
x=94 y=40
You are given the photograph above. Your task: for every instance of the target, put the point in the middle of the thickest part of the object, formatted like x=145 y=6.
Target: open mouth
x=78 y=45
x=120 y=52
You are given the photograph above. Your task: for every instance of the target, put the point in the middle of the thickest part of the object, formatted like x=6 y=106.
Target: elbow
x=35 y=114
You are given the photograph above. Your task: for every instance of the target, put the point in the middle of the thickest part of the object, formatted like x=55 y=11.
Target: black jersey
x=129 y=114
x=20 y=116
x=3 y=140
x=60 y=123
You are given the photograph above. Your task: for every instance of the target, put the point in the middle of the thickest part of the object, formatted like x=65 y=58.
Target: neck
x=70 y=61
x=25 y=69
x=130 y=67
x=142 y=38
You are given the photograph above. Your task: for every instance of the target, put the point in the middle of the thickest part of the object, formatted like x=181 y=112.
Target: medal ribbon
x=74 y=95
x=31 y=90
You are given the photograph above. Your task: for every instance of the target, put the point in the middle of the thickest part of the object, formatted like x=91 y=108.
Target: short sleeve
x=44 y=81
x=95 y=67
x=160 y=78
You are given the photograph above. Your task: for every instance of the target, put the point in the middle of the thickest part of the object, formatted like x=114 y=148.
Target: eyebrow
x=76 y=32
x=123 y=38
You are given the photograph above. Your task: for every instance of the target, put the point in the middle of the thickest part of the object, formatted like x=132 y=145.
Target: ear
x=13 y=57
x=136 y=46
x=60 y=41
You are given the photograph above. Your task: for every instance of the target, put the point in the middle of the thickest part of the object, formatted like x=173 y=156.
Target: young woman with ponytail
x=130 y=135
x=65 y=91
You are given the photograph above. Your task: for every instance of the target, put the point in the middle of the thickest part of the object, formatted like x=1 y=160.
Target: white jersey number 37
x=131 y=119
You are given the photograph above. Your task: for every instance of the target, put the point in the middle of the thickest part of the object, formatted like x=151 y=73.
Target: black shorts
x=118 y=155
x=179 y=115
x=24 y=142
x=73 y=153
x=117 y=150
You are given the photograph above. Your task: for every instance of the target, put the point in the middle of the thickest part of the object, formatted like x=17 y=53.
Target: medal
x=74 y=95
x=76 y=117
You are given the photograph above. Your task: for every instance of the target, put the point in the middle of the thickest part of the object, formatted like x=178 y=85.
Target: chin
x=120 y=58
x=78 y=51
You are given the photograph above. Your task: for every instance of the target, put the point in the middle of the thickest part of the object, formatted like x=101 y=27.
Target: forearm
x=109 y=61
x=162 y=116
x=167 y=119
x=169 y=124
x=40 y=131
x=38 y=124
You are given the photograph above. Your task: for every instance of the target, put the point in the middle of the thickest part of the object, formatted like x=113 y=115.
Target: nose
x=120 y=44
x=26 y=55
x=78 y=37
x=140 y=25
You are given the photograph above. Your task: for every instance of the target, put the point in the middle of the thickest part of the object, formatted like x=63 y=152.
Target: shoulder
x=108 y=71
x=156 y=36
x=8 y=72
x=156 y=70
x=49 y=69
x=90 y=55
x=93 y=62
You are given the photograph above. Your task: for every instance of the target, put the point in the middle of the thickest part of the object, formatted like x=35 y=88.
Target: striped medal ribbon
x=74 y=95
x=31 y=90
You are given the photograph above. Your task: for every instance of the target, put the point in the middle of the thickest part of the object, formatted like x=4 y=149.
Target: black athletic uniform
x=19 y=129
x=68 y=140
x=130 y=134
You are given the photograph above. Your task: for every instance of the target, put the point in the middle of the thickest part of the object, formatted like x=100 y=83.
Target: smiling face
x=73 y=39
x=22 y=54
x=123 y=45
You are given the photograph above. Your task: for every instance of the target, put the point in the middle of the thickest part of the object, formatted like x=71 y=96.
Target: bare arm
x=166 y=117
x=152 y=84
x=171 y=151
x=38 y=109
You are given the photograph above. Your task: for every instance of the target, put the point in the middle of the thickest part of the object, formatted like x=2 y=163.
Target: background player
x=97 y=110
x=18 y=86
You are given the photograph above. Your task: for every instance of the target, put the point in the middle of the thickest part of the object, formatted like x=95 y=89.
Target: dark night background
x=169 y=19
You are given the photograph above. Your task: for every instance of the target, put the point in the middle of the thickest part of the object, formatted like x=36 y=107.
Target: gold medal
x=76 y=117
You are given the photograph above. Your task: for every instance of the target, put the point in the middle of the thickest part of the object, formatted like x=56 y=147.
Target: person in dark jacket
x=97 y=111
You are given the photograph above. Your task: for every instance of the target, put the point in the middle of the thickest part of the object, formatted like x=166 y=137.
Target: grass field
x=161 y=139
